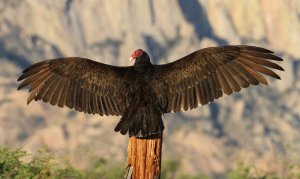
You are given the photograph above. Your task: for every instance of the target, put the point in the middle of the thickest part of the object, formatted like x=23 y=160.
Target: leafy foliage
x=243 y=171
x=171 y=169
x=100 y=168
x=17 y=163
x=13 y=165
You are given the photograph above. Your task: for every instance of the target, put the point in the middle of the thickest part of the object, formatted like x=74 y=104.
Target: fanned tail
x=141 y=121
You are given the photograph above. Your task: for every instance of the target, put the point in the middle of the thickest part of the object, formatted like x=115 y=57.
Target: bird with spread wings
x=142 y=93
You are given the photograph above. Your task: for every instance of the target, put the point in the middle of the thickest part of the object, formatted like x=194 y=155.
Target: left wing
x=85 y=85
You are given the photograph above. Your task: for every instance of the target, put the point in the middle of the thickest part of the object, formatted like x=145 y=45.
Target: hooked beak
x=131 y=58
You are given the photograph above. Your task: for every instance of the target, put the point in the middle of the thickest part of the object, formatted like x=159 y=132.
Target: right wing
x=206 y=74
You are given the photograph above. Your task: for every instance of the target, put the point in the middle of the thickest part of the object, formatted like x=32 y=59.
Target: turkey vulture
x=143 y=92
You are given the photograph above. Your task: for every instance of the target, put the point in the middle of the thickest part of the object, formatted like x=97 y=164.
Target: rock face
x=254 y=125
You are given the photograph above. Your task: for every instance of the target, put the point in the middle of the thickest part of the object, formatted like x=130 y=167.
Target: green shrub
x=99 y=168
x=243 y=171
x=17 y=163
x=44 y=164
x=13 y=165
x=171 y=169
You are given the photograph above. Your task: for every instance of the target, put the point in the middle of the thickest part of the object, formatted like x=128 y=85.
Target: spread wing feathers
x=78 y=83
x=205 y=75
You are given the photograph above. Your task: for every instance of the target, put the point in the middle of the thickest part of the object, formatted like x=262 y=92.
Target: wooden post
x=144 y=157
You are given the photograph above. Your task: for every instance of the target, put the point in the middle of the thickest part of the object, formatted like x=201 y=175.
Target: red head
x=137 y=53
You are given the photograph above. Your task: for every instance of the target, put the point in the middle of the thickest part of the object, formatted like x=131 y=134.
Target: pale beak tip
x=131 y=58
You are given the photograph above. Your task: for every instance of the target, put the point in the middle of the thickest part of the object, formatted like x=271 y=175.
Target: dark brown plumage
x=143 y=92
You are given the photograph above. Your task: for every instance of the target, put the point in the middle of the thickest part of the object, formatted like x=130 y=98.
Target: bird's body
x=143 y=114
x=142 y=93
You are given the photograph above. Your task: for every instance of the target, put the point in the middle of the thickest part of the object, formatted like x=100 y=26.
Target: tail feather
x=122 y=126
x=141 y=121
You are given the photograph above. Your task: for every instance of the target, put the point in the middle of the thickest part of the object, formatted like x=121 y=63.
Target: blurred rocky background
x=258 y=125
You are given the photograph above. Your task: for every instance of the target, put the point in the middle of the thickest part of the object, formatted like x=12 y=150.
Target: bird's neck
x=143 y=65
